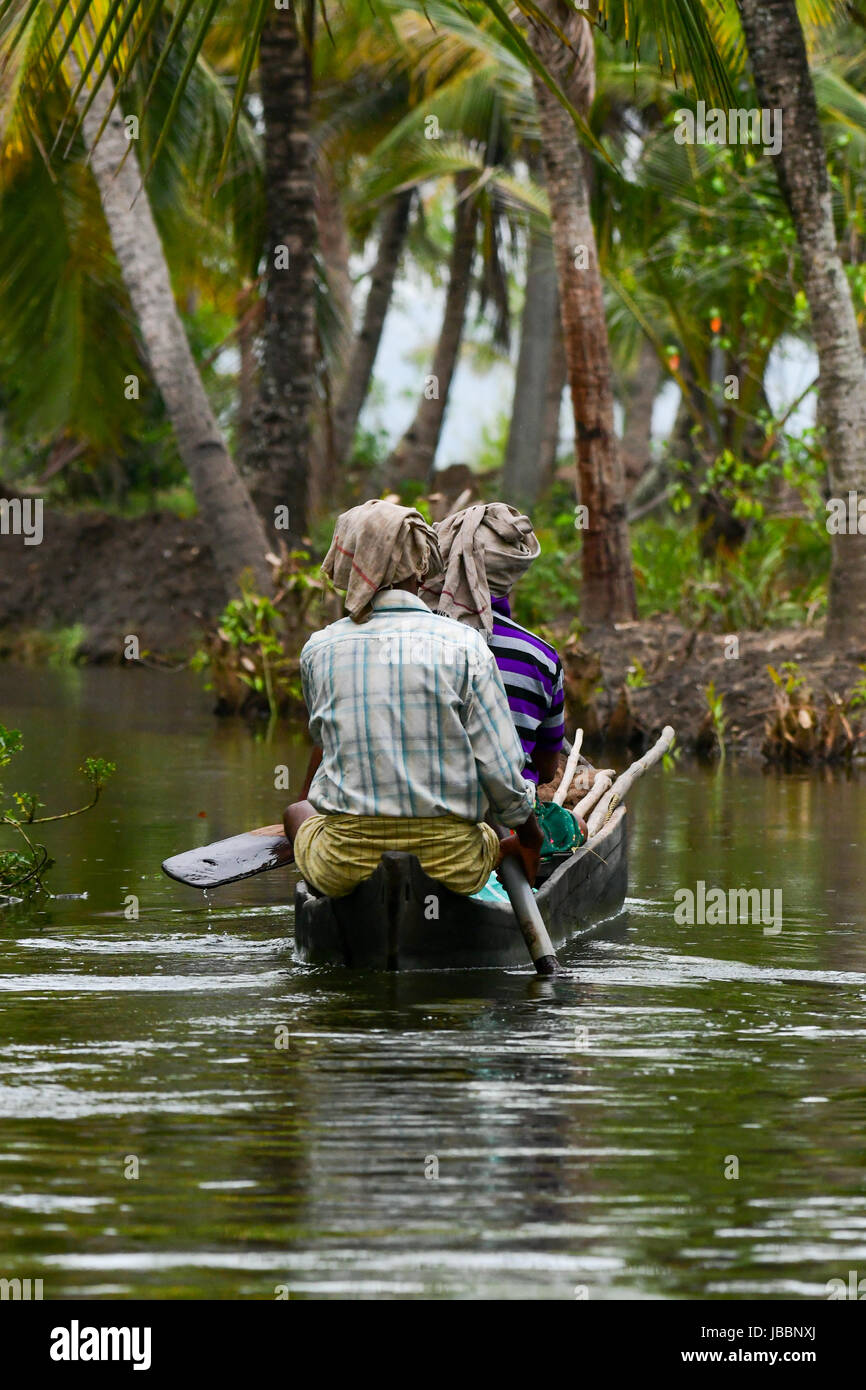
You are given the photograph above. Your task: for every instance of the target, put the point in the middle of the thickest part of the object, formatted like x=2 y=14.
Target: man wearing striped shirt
x=414 y=739
x=486 y=548
x=532 y=675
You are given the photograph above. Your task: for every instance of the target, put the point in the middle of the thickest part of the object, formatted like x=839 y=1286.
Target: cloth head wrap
x=376 y=545
x=485 y=550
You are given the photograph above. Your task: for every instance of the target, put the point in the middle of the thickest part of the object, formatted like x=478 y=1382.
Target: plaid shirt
x=411 y=714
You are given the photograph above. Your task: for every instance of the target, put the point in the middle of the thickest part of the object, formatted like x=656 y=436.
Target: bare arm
x=525 y=844
x=297 y=811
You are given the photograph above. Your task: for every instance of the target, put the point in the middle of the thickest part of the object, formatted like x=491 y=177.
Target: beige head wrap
x=375 y=545
x=485 y=550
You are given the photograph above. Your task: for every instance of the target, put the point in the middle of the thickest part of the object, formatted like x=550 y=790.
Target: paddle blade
x=227 y=861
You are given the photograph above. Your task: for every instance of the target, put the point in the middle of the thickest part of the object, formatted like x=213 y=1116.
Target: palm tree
x=361 y=358
x=225 y=505
x=361 y=90
x=238 y=537
x=280 y=453
x=780 y=64
x=680 y=34
x=678 y=295
x=524 y=468
x=472 y=87
x=638 y=391
x=62 y=299
x=412 y=457
x=608 y=593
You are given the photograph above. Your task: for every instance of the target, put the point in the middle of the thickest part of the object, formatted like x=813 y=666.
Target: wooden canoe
x=402 y=920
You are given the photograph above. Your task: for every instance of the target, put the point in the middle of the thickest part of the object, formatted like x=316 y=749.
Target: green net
x=558 y=827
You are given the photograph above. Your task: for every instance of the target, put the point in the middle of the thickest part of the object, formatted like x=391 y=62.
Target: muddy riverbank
x=97 y=578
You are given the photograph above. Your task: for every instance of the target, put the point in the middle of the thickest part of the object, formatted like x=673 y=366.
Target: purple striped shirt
x=532 y=675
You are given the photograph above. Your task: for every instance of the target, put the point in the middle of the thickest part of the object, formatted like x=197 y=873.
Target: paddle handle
x=528 y=915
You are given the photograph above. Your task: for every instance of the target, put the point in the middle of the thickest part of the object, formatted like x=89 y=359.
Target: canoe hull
x=400 y=919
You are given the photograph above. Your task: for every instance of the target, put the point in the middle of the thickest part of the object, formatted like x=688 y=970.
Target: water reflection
x=453 y=1135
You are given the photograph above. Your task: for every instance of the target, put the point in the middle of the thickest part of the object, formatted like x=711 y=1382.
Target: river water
x=679 y=1115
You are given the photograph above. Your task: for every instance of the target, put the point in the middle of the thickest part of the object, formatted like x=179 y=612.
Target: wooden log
x=570 y=768
x=602 y=784
x=582 y=761
x=621 y=786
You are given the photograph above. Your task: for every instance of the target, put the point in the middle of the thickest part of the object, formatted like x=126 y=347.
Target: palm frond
x=678 y=35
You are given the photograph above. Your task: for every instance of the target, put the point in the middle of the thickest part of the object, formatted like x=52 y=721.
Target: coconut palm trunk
x=362 y=356
x=522 y=470
x=607 y=581
x=280 y=457
x=333 y=242
x=236 y=532
x=413 y=457
x=556 y=383
x=333 y=354
x=780 y=65
x=638 y=394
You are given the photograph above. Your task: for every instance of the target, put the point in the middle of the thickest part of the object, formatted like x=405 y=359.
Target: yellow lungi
x=335 y=852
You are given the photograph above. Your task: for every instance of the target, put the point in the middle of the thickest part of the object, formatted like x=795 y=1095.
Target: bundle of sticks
x=594 y=793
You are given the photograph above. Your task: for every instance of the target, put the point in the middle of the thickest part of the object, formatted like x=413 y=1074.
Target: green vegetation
x=857 y=698
x=717 y=722
x=636 y=677
x=251 y=658
x=776 y=578
x=55 y=647
x=22 y=870
x=803 y=728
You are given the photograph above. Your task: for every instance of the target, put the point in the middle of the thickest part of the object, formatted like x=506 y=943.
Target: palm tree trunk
x=333 y=241
x=414 y=455
x=362 y=358
x=556 y=383
x=608 y=585
x=281 y=452
x=780 y=64
x=247 y=307
x=638 y=394
x=237 y=535
x=521 y=473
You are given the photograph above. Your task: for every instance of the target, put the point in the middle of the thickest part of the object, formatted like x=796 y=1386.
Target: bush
x=22 y=869
x=251 y=659
x=777 y=577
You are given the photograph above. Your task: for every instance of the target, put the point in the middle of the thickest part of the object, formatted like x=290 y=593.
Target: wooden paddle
x=227 y=861
x=526 y=910
x=529 y=918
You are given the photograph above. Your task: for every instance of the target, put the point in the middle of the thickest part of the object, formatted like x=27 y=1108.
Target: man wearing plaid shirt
x=413 y=733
